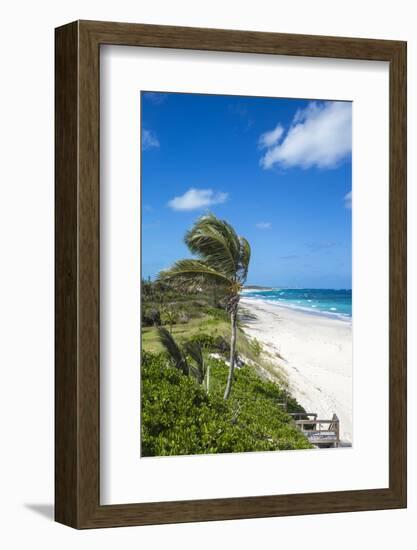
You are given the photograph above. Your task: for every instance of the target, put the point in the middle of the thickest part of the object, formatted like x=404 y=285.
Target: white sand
x=316 y=356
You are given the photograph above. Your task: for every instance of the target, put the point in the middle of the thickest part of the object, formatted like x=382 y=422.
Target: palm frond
x=173 y=350
x=197 y=374
x=193 y=274
x=216 y=242
x=198 y=368
x=195 y=351
x=244 y=259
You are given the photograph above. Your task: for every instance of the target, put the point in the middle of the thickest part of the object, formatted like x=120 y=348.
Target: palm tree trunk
x=208 y=378
x=233 y=319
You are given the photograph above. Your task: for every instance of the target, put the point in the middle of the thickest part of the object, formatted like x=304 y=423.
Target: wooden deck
x=321 y=433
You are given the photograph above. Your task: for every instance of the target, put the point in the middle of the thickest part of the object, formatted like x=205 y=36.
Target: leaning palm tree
x=197 y=367
x=222 y=259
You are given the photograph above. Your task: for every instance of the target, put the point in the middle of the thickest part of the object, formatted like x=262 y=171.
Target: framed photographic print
x=230 y=274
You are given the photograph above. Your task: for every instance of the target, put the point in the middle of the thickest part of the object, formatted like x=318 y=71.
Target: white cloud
x=193 y=199
x=149 y=140
x=320 y=135
x=348 y=199
x=264 y=225
x=268 y=139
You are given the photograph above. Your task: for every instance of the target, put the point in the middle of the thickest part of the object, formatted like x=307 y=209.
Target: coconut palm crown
x=223 y=260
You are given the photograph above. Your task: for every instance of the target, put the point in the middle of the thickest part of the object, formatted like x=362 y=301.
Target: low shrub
x=211 y=343
x=179 y=417
x=218 y=313
x=151 y=317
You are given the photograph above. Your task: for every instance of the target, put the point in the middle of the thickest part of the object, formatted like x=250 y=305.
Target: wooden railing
x=320 y=432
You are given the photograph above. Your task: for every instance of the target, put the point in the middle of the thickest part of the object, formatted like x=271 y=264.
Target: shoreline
x=314 y=351
x=309 y=311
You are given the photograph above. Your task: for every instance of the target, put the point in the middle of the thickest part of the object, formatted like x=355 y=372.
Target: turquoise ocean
x=323 y=301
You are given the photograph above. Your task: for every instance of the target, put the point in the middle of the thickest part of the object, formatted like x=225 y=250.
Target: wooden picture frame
x=77 y=382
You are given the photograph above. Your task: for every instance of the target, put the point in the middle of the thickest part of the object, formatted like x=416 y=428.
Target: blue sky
x=279 y=170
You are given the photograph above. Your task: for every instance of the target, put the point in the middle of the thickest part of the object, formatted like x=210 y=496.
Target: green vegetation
x=183 y=412
x=223 y=262
x=195 y=326
x=192 y=340
x=189 y=360
x=179 y=417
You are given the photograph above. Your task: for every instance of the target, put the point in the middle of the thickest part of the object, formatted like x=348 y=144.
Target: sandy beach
x=315 y=353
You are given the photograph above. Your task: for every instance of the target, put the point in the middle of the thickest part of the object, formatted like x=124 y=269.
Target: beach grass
x=184 y=331
x=213 y=323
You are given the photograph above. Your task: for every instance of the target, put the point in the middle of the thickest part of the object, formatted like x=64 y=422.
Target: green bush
x=151 y=317
x=179 y=418
x=218 y=313
x=211 y=342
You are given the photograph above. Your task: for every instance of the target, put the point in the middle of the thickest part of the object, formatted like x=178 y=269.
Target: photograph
x=246 y=274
